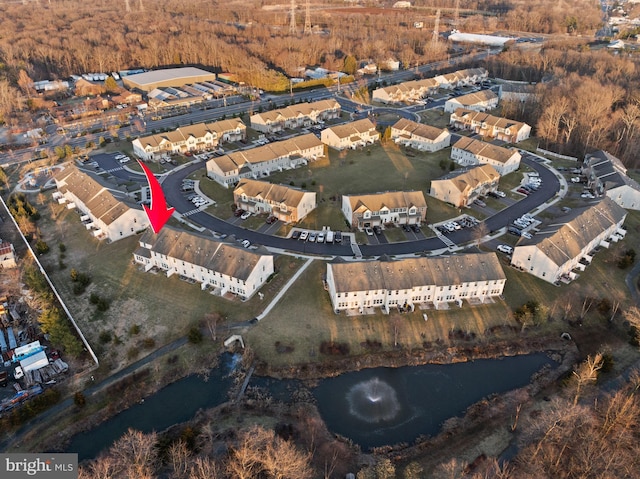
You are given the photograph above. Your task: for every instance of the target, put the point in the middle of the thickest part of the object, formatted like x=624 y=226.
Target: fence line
x=556 y=155
x=53 y=288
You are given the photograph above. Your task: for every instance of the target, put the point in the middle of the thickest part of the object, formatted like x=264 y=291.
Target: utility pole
x=127 y=7
x=436 y=28
x=456 y=16
x=292 y=22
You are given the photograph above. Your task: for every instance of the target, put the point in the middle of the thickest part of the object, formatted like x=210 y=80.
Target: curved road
x=172 y=189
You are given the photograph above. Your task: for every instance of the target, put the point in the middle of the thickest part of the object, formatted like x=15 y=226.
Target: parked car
x=295 y=235
x=337 y=237
x=245 y=215
x=406 y=227
x=500 y=194
x=526 y=234
x=4 y=378
x=237 y=213
x=320 y=238
x=523 y=191
x=575 y=179
x=369 y=231
x=506 y=249
x=18 y=373
x=415 y=228
x=271 y=219
x=304 y=235
x=377 y=230
x=312 y=237
x=480 y=203
x=246 y=243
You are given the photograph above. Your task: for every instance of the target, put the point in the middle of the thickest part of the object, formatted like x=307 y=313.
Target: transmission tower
x=436 y=28
x=292 y=24
x=456 y=15
x=127 y=7
x=307 y=19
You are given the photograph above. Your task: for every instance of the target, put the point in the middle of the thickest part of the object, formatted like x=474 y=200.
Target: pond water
x=373 y=407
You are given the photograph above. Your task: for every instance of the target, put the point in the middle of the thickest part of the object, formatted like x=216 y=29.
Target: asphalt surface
x=172 y=182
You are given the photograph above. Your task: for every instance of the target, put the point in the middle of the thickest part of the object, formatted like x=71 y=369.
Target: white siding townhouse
x=462 y=187
x=296 y=116
x=397 y=207
x=221 y=267
x=201 y=136
x=408 y=91
x=419 y=136
x=102 y=214
x=467 y=152
x=287 y=204
x=606 y=175
x=479 y=101
x=7 y=255
x=350 y=135
x=358 y=287
x=262 y=161
x=460 y=78
x=559 y=248
x=490 y=126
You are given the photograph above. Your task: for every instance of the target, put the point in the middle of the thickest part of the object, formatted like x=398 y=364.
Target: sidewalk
x=284 y=289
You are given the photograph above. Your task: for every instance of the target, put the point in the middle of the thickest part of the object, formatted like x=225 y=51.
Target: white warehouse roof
x=490 y=40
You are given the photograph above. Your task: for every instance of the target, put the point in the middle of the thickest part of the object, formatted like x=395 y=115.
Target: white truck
x=329 y=238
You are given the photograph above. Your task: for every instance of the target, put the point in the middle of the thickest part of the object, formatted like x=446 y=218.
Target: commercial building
x=170 y=77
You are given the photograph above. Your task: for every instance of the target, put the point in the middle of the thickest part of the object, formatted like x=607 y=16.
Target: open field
x=164 y=308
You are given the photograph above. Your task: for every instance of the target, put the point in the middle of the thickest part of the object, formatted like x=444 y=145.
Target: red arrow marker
x=158 y=214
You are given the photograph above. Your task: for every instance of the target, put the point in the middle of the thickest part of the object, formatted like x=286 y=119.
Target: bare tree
x=587 y=374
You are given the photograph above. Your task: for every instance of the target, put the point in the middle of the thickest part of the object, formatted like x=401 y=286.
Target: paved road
x=171 y=185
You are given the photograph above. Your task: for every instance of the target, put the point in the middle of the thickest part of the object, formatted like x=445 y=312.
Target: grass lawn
x=304 y=319
x=437 y=118
x=164 y=308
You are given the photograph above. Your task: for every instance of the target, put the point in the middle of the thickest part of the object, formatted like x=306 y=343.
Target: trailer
x=12 y=338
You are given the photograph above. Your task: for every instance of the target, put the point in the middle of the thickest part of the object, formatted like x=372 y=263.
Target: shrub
x=148 y=343
x=331 y=348
x=42 y=247
x=195 y=335
x=105 y=337
x=62 y=247
x=79 y=399
x=134 y=329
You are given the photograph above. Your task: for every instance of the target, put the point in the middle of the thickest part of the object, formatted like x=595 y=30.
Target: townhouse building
x=101 y=213
x=425 y=282
x=408 y=91
x=350 y=135
x=301 y=115
x=490 y=126
x=289 y=205
x=462 y=187
x=557 y=249
x=478 y=101
x=606 y=175
x=260 y=162
x=378 y=209
x=198 y=137
x=461 y=78
x=468 y=152
x=220 y=267
x=419 y=136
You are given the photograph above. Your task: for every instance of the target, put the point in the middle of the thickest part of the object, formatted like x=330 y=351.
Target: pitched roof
x=389 y=199
x=419 y=129
x=609 y=170
x=471 y=177
x=487 y=150
x=481 y=117
x=412 y=272
x=202 y=251
x=561 y=242
x=300 y=109
x=270 y=192
x=95 y=196
x=354 y=128
x=199 y=130
x=476 y=97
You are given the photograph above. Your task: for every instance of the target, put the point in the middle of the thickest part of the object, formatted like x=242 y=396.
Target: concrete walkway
x=284 y=289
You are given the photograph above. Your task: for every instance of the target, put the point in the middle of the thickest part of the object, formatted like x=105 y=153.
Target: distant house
x=606 y=175
x=7 y=255
x=201 y=136
x=101 y=213
x=86 y=88
x=396 y=207
x=420 y=136
x=490 y=126
x=460 y=78
x=409 y=91
x=287 y=204
x=350 y=135
x=127 y=97
x=479 y=101
x=558 y=249
x=296 y=116
x=463 y=187
x=262 y=161
x=221 y=267
x=520 y=92
x=467 y=152
x=432 y=282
